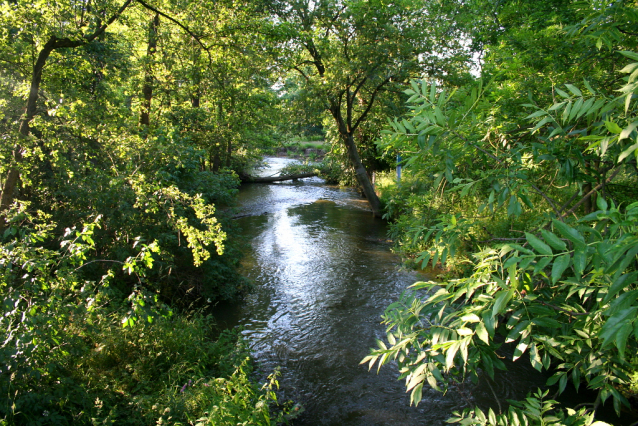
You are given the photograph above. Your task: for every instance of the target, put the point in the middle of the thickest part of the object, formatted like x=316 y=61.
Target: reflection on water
x=324 y=274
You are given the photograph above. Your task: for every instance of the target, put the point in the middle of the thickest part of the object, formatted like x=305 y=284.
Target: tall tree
x=147 y=89
x=349 y=53
x=61 y=27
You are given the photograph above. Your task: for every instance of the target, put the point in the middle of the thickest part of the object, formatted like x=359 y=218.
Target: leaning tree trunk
x=13 y=175
x=362 y=175
x=347 y=136
x=11 y=182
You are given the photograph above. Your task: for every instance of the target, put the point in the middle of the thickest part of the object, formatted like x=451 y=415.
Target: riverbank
x=312 y=150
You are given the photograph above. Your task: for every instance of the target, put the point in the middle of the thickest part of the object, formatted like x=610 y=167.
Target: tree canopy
x=125 y=125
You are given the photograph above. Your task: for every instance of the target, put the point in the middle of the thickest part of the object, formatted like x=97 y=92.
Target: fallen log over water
x=269 y=179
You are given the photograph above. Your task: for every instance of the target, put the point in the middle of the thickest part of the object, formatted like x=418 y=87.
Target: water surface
x=324 y=274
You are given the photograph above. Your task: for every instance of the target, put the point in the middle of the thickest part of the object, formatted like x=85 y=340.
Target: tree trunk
x=147 y=89
x=362 y=175
x=195 y=99
x=11 y=181
x=229 y=152
x=347 y=136
x=217 y=160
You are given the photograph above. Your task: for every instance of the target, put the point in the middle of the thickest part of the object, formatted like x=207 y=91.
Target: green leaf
x=546 y=322
x=538 y=245
x=539 y=113
x=514 y=207
x=490 y=323
x=576 y=109
x=451 y=353
x=627 y=130
x=535 y=358
x=560 y=264
x=470 y=318
x=629 y=54
x=568 y=232
x=502 y=297
x=491 y=416
x=520 y=350
x=542 y=264
x=619 y=283
x=601 y=203
x=416 y=395
x=561 y=93
x=553 y=240
x=613 y=127
x=621 y=338
x=541 y=124
x=464 y=331
x=481 y=332
x=574 y=89
x=614 y=323
x=627 y=152
x=557 y=105
x=580 y=258
x=526 y=200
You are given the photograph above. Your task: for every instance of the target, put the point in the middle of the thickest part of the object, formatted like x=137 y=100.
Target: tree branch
x=369 y=106
x=302 y=73
x=182 y=26
x=495 y=158
x=590 y=193
x=101 y=30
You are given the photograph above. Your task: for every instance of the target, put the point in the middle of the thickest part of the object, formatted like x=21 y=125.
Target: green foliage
x=533 y=411
x=74 y=352
x=560 y=291
x=297 y=168
x=569 y=297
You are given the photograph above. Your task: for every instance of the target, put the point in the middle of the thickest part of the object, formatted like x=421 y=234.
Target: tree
x=67 y=21
x=349 y=53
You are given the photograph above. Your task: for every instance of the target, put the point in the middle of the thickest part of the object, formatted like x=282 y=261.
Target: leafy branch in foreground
x=566 y=294
x=569 y=301
x=535 y=410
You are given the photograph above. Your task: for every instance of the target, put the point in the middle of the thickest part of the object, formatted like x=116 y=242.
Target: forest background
x=126 y=126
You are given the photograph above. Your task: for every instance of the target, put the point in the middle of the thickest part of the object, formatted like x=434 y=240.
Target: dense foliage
x=524 y=190
x=121 y=133
x=125 y=125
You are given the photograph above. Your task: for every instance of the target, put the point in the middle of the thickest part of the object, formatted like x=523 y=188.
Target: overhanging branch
x=179 y=24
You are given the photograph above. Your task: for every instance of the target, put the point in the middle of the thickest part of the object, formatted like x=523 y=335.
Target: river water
x=324 y=273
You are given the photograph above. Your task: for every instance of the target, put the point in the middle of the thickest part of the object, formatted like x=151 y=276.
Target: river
x=324 y=273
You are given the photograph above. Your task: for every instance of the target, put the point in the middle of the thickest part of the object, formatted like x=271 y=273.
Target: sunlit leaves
x=543 y=309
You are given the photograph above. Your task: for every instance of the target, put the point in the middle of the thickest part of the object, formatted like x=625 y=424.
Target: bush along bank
x=75 y=352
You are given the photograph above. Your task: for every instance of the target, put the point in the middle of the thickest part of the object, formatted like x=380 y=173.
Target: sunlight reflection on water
x=324 y=274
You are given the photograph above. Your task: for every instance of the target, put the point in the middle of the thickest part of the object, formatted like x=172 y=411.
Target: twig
x=546 y=197
x=498 y=160
x=573 y=197
x=590 y=193
x=568 y=312
x=500 y=409
x=98 y=260
x=182 y=26
x=503 y=239
x=584 y=404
